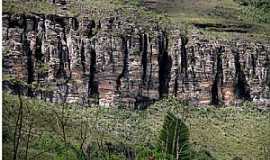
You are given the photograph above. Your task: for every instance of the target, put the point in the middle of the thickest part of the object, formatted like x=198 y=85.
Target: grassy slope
x=94 y=9
x=217 y=12
x=225 y=132
x=184 y=13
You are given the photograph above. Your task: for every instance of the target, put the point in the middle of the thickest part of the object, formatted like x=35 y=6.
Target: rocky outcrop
x=116 y=62
x=219 y=72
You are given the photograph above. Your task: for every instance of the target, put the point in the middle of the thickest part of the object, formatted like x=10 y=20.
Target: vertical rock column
x=57 y=56
x=216 y=89
x=14 y=56
x=82 y=60
x=152 y=76
x=110 y=62
x=129 y=82
x=241 y=85
x=174 y=52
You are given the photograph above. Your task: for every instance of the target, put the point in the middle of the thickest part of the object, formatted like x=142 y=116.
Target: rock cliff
x=113 y=61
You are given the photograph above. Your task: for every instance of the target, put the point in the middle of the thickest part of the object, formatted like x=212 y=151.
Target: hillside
x=219 y=18
x=181 y=11
x=136 y=79
x=221 y=133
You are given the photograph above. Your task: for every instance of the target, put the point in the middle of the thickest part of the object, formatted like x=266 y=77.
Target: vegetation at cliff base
x=61 y=131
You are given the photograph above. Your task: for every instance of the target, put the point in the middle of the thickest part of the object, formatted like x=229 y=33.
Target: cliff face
x=116 y=62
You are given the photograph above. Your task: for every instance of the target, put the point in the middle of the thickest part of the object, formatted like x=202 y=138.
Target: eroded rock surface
x=116 y=62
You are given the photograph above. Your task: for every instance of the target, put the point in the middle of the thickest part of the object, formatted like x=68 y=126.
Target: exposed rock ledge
x=115 y=62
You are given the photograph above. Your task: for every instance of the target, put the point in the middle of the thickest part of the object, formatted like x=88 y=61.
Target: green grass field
x=225 y=133
x=221 y=19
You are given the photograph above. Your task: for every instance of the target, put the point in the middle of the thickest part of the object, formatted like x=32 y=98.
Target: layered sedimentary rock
x=220 y=72
x=116 y=62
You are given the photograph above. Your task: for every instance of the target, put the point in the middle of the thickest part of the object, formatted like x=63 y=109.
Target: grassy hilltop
x=225 y=19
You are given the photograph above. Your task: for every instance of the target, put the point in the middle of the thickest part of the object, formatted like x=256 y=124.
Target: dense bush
x=257 y=10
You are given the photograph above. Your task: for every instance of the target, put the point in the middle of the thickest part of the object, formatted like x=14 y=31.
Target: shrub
x=256 y=10
x=174 y=137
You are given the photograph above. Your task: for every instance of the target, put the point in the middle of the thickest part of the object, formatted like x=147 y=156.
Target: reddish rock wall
x=116 y=62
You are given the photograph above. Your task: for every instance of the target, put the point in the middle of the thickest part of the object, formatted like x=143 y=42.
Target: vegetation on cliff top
x=54 y=131
x=225 y=19
x=219 y=18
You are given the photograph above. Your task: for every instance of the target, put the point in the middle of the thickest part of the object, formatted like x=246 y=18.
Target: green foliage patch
x=256 y=10
x=111 y=133
x=26 y=7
